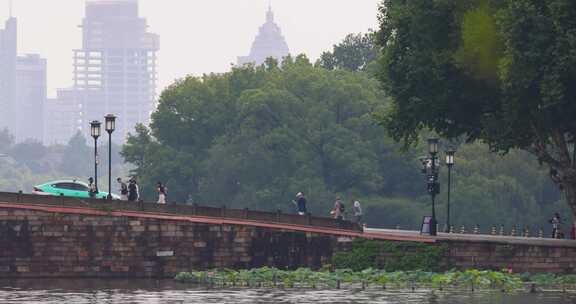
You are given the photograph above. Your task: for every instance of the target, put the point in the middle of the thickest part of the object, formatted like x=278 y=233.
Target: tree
x=502 y=72
x=78 y=159
x=256 y=136
x=29 y=153
x=354 y=53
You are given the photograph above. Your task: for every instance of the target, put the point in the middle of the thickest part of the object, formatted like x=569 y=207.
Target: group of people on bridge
x=337 y=212
x=130 y=191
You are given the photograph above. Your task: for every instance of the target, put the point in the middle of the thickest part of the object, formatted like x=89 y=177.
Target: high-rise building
x=114 y=71
x=8 y=54
x=22 y=87
x=30 y=98
x=268 y=43
x=62 y=117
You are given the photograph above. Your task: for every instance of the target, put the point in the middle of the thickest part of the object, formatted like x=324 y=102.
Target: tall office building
x=30 y=98
x=114 y=71
x=22 y=87
x=268 y=43
x=62 y=117
x=8 y=55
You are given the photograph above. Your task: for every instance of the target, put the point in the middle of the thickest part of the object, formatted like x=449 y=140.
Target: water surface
x=170 y=292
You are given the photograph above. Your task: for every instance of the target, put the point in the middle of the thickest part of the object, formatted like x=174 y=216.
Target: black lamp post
x=433 y=185
x=95 y=132
x=110 y=127
x=450 y=164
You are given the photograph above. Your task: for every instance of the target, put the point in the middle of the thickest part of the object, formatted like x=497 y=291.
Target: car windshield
x=71 y=186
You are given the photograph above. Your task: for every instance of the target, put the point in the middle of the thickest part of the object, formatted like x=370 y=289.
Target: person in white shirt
x=357 y=212
x=161 y=193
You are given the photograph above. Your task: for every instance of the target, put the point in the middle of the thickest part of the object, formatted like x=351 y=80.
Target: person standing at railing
x=556 y=221
x=357 y=209
x=92 y=190
x=300 y=203
x=133 y=191
x=338 y=210
x=123 y=189
x=161 y=193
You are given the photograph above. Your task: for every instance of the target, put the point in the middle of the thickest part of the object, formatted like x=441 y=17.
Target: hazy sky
x=196 y=36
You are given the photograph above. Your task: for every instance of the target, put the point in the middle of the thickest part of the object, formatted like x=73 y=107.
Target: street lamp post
x=433 y=185
x=110 y=127
x=450 y=164
x=95 y=132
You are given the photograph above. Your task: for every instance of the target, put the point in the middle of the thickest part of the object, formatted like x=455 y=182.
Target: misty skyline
x=196 y=36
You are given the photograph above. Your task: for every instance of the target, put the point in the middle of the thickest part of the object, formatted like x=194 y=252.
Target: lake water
x=170 y=292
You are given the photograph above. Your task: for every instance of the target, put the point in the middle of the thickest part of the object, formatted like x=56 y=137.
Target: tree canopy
x=355 y=53
x=258 y=135
x=497 y=71
x=255 y=136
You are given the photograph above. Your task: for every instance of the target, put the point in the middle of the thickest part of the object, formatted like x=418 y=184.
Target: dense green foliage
x=29 y=163
x=345 y=278
x=357 y=52
x=502 y=72
x=367 y=254
x=363 y=255
x=256 y=136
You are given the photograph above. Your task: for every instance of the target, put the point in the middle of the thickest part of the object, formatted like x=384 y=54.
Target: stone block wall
x=37 y=243
x=42 y=244
x=526 y=257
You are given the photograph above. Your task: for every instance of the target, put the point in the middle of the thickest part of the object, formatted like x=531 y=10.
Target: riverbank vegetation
x=398 y=256
x=371 y=278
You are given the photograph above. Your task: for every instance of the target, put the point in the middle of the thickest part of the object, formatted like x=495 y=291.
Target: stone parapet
x=69 y=245
x=177 y=209
x=49 y=241
x=534 y=258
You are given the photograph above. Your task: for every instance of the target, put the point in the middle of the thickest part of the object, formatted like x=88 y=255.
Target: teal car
x=70 y=188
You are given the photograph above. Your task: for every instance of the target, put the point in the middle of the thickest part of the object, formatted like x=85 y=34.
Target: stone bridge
x=43 y=236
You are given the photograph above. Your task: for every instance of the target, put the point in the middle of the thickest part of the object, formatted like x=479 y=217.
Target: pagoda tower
x=268 y=43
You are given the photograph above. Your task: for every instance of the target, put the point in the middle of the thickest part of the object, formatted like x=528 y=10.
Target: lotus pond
x=470 y=280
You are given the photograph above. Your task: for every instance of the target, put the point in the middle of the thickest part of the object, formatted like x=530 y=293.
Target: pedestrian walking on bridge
x=123 y=189
x=133 y=191
x=300 y=203
x=92 y=190
x=556 y=221
x=357 y=209
x=161 y=193
x=338 y=210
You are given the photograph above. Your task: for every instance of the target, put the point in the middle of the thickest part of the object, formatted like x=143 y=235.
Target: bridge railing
x=178 y=209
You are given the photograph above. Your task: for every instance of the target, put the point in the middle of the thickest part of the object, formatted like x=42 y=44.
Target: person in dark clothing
x=300 y=203
x=123 y=189
x=556 y=221
x=133 y=193
x=92 y=190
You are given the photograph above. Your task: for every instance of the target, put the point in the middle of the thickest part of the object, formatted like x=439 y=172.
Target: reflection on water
x=170 y=292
